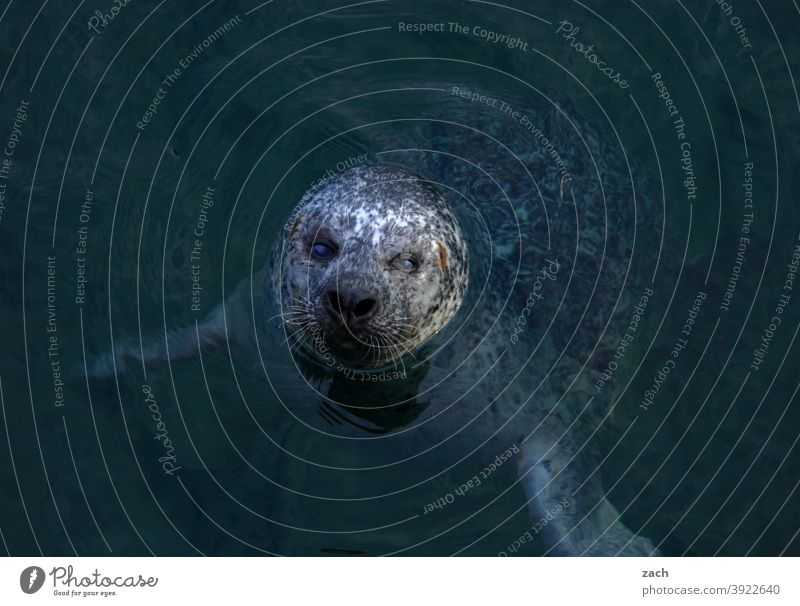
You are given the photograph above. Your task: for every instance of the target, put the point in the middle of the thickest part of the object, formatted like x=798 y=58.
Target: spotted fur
x=370 y=215
x=376 y=212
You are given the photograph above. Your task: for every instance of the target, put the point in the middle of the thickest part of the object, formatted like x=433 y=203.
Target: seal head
x=372 y=263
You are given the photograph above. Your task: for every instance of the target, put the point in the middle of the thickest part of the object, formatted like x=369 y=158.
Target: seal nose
x=352 y=305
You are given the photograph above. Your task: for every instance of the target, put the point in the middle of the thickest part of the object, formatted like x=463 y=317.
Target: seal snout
x=351 y=305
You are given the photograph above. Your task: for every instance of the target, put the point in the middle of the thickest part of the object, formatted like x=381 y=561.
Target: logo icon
x=31 y=579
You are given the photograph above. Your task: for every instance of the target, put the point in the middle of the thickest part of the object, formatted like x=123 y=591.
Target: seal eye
x=322 y=250
x=405 y=263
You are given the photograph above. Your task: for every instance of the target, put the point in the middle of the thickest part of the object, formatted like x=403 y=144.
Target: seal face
x=373 y=262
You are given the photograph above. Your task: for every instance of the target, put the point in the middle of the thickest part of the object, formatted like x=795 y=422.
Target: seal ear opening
x=441 y=249
x=296 y=224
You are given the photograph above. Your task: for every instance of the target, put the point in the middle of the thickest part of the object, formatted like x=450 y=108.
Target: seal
x=372 y=264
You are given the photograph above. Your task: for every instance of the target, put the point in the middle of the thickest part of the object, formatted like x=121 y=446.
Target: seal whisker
x=385 y=345
x=291 y=336
x=403 y=334
x=297 y=314
x=285 y=314
x=304 y=330
x=397 y=356
x=394 y=354
x=392 y=350
x=402 y=345
x=376 y=353
x=307 y=334
x=297 y=321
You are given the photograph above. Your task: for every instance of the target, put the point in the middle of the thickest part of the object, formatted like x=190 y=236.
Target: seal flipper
x=176 y=344
x=567 y=502
x=183 y=342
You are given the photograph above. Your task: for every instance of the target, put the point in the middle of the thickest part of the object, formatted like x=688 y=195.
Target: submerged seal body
x=372 y=264
x=343 y=272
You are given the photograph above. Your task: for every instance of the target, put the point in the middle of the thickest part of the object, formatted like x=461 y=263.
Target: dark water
x=260 y=460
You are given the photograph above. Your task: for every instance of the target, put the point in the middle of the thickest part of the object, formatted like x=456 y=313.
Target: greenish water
x=98 y=187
